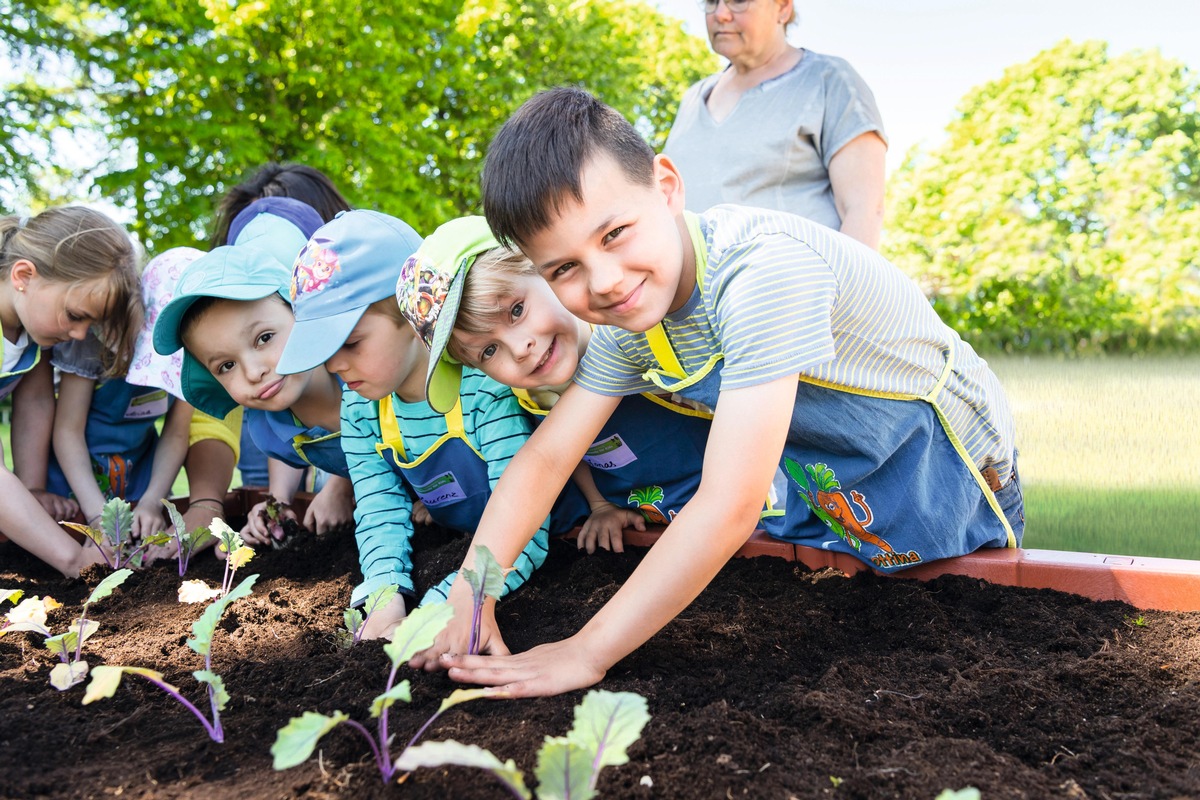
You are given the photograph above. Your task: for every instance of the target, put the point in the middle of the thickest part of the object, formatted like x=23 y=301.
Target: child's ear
x=669 y=182
x=23 y=271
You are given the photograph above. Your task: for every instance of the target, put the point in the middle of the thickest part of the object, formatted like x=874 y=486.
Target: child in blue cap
x=398 y=448
x=501 y=318
x=814 y=351
x=230 y=313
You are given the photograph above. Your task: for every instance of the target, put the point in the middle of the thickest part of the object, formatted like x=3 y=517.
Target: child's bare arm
x=604 y=525
x=519 y=505
x=706 y=533
x=32 y=426
x=70 y=446
x=169 y=453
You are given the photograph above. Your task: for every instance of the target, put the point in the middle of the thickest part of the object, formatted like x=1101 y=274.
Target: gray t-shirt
x=774 y=148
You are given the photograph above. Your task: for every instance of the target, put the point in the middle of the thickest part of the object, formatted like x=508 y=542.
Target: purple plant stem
x=476 y=620
x=214 y=732
x=79 y=644
x=380 y=761
x=387 y=770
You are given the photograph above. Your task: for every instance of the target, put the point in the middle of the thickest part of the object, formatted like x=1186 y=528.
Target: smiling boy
x=895 y=435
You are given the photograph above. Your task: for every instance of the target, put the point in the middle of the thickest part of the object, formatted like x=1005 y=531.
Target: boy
x=893 y=432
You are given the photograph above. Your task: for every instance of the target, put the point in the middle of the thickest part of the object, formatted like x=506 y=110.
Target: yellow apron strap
x=699 y=246
x=454 y=421
x=945 y=376
x=390 y=429
x=664 y=353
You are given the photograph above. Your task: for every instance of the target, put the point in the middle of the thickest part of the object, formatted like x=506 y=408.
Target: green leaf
x=418 y=631
x=196 y=538
x=116 y=520
x=459 y=696
x=218 y=686
x=386 y=700
x=176 y=518
x=95 y=534
x=11 y=595
x=607 y=723
x=106 y=679
x=154 y=539
x=64 y=676
x=437 y=754
x=106 y=586
x=295 y=741
x=487 y=578
x=380 y=598
x=353 y=619
x=203 y=628
x=63 y=644
x=85 y=630
x=564 y=770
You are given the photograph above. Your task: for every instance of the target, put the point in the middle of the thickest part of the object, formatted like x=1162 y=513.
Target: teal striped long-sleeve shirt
x=494 y=424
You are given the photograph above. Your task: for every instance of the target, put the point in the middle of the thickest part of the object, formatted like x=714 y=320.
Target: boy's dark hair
x=535 y=162
x=297 y=181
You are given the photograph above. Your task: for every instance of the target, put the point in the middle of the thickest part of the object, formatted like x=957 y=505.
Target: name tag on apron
x=440 y=491
x=147 y=405
x=610 y=453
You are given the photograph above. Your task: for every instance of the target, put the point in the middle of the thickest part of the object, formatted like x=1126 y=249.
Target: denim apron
x=28 y=360
x=281 y=436
x=121 y=435
x=880 y=476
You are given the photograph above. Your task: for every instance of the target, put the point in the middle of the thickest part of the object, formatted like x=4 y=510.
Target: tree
x=1062 y=212
x=396 y=102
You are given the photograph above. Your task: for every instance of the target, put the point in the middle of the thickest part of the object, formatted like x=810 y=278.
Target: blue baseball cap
x=243 y=273
x=349 y=263
x=279 y=225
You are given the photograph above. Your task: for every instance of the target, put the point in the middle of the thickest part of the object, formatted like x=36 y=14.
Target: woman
x=794 y=130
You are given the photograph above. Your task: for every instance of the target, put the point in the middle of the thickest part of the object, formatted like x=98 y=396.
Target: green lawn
x=1110 y=453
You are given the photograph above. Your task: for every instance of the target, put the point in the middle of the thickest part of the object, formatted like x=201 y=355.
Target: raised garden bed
x=778 y=682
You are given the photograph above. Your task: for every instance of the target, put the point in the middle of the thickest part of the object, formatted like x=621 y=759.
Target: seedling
x=272 y=515
x=116 y=531
x=31 y=615
x=186 y=542
x=606 y=724
x=11 y=595
x=356 y=620
x=486 y=580
x=106 y=679
x=237 y=553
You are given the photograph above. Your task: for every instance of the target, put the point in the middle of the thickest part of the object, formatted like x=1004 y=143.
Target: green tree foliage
x=1061 y=212
x=395 y=101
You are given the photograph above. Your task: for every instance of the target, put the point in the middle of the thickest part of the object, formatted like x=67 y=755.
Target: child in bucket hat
x=480 y=304
x=230 y=314
x=396 y=445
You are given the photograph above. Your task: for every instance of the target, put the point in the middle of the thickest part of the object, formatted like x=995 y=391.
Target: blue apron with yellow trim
x=28 y=360
x=881 y=477
x=121 y=435
x=280 y=435
x=648 y=456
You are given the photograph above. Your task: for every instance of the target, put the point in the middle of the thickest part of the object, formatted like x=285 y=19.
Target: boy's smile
x=622 y=256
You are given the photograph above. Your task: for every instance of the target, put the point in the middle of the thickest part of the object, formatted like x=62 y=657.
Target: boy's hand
x=57 y=506
x=456 y=637
x=383 y=621
x=603 y=528
x=332 y=508
x=258 y=530
x=546 y=670
x=420 y=514
x=147 y=520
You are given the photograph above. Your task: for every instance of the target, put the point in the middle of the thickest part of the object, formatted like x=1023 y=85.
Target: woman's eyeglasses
x=736 y=6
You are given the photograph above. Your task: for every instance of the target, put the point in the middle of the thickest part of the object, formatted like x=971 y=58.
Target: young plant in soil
x=116 y=531
x=237 y=553
x=486 y=580
x=186 y=542
x=356 y=620
x=67 y=646
x=106 y=679
x=606 y=724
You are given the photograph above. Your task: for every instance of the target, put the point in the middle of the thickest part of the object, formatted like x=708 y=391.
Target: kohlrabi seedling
x=356 y=620
x=31 y=615
x=116 y=531
x=237 y=553
x=606 y=724
x=486 y=580
x=295 y=741
x=106 y=679
x=186 y=542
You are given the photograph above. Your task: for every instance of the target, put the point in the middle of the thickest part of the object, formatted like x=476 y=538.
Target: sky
x=921 y=56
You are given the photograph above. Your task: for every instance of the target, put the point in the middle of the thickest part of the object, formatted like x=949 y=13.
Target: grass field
x=1110 y=453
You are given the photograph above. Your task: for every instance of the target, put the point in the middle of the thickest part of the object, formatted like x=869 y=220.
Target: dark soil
x=777 y=683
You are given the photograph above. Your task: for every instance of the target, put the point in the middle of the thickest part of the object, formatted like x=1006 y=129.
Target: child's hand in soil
x=456 y=637
x=383 y=621
x=57 y=506
x=546 y=670
x=147 y=519
x=603 y=528
x=333 y=506
x=420 y=514
x=260 y=529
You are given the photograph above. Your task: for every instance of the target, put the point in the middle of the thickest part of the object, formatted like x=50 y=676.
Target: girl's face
x=239 y=342
x=55 y=311
x=536 y=342
x=382 y=356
